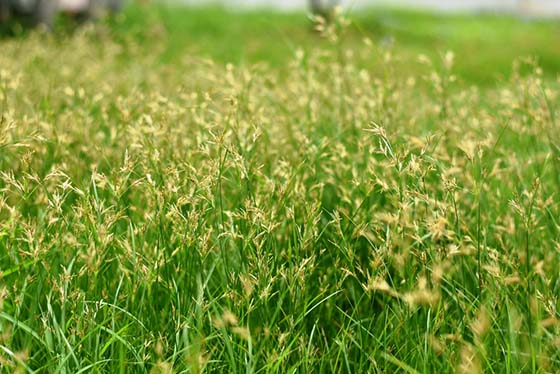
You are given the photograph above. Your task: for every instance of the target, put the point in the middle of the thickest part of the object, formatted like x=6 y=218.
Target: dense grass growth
x=345 y=207
x=488 y=43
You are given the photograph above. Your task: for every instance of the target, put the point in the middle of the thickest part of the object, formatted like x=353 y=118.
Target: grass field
x=195 y=190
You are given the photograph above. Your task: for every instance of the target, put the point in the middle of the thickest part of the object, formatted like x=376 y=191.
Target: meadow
x=200 y=190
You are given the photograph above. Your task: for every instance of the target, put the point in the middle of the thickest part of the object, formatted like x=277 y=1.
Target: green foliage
x=488 y=43
x=323 y=204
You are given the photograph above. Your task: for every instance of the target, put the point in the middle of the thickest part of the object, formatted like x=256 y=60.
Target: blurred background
x=535 y=7
x=488 y=35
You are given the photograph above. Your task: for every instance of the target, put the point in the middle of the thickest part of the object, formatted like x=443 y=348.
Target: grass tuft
x=183 y=205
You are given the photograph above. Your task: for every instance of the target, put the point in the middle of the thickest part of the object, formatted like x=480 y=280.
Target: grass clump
x=333 y=214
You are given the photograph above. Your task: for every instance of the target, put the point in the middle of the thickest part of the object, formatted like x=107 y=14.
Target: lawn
x=187 y=190
x=488 y=43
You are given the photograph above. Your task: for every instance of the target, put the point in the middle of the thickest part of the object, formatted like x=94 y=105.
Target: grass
x=232 y=37
x=190 y=190
x=223 y=36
